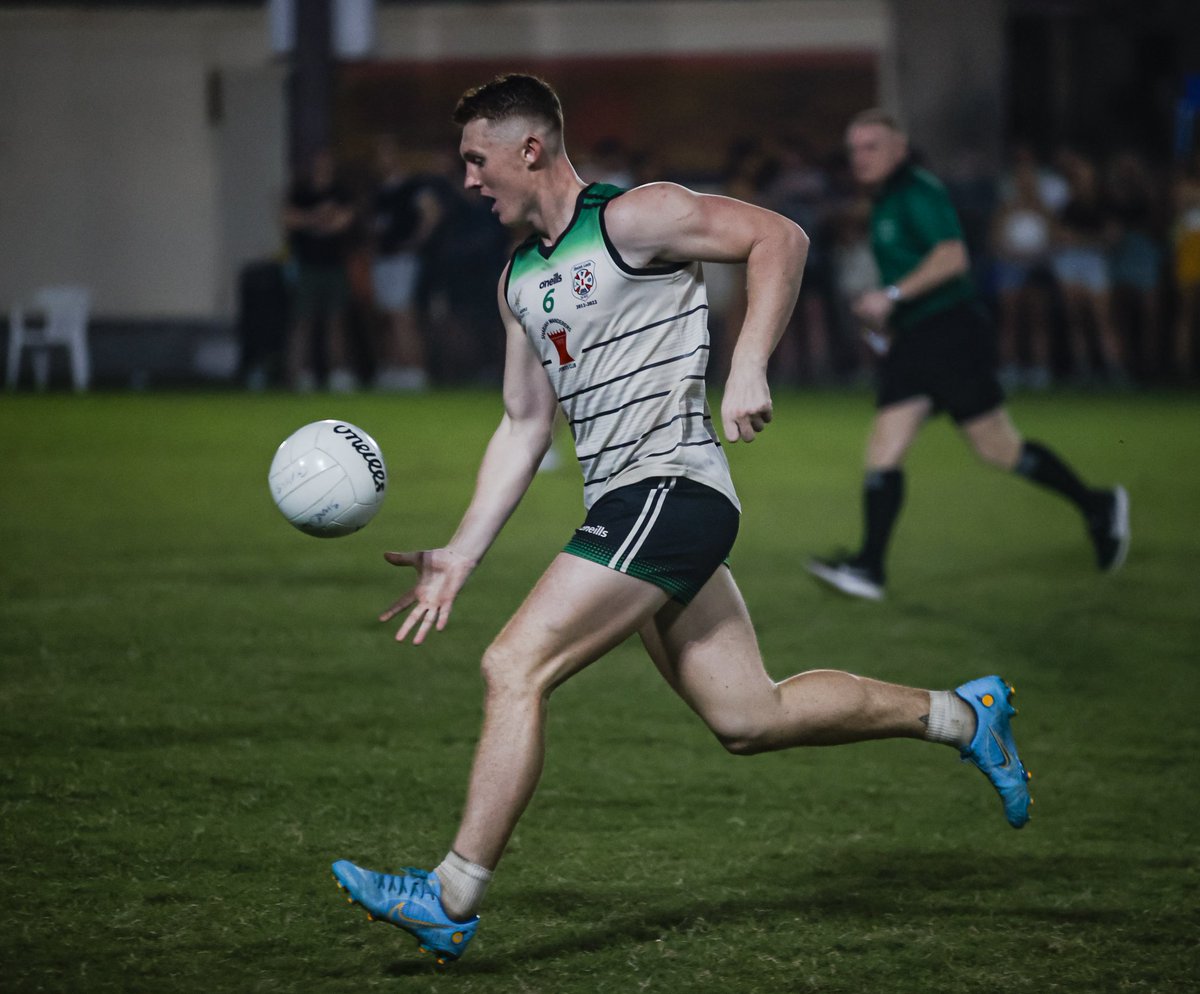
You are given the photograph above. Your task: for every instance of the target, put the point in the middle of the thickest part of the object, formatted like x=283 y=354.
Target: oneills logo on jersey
x=583 y=282
x=557 y=331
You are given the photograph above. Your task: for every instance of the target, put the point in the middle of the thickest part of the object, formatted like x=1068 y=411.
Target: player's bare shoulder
x=668 y=223
x=643 y=223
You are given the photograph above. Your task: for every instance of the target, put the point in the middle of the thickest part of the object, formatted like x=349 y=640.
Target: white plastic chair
x=65 y=311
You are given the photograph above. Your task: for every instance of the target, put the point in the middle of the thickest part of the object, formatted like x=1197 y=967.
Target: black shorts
x=950 y=357
x=670 y=531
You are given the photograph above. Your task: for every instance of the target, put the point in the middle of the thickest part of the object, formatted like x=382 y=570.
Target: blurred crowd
x=1090 y=264
x=387 y=282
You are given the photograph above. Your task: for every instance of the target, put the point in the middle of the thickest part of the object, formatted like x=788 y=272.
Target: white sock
x=463 y=885
x=951 y=719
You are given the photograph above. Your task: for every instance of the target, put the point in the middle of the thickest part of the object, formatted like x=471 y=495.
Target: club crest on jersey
x=557 y=331
x=583 y=282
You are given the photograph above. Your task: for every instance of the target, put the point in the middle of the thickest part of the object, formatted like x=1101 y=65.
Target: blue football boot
x=411 y=900
x=993 y=748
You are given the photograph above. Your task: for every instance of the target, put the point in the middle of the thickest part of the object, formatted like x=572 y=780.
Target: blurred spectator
x=1020 y=248
x=262 y=322
x=800 y=189
x=318 y=214
x=854 y=272
x=748 y=170
x=609 y=162
x=971 y=184
x=461 y=266
x=1052 y=188
x=405 y=211
x=1185 y=230
x=1137 y=259
x=1083 y=236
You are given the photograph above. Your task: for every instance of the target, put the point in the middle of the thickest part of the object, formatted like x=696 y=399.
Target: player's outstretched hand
x=746 y=407
x=441 y=574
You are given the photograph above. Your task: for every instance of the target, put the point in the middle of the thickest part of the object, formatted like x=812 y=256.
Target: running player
x=605 y=314
x=941 y=358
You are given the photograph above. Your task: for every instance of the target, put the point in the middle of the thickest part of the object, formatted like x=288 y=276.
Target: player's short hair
x=509 y=96
x=876 y=115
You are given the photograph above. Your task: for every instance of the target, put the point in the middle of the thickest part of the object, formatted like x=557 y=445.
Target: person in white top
x=674 y=590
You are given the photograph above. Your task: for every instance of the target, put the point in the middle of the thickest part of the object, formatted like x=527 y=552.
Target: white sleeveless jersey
x=625 y=350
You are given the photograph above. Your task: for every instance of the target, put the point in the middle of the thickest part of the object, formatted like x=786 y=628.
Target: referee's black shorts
x=949 y=357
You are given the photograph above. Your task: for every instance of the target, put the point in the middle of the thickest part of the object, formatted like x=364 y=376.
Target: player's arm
x=663 y=222
x=947 y=260
x=516 y=447
x=509 y=464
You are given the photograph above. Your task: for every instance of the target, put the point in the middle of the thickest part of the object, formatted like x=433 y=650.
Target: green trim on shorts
x=584 y=549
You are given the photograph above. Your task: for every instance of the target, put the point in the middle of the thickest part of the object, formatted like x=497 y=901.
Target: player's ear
x=533 y=151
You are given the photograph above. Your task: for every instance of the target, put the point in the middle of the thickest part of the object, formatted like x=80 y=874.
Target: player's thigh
x=575 y=613
x=894 y=430
x=707 y=651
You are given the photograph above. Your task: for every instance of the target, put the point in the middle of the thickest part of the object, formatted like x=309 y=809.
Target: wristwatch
x=892 y=292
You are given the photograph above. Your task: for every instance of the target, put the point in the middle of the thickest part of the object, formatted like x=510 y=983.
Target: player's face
x=497 y=167
x=875 y=150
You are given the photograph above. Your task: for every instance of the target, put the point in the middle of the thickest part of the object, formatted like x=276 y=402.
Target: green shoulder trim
x=600 y=193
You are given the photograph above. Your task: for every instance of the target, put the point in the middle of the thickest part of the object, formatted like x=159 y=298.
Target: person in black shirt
x=404 y=214
x=1137 y=259
x=1084 y=234
x=317 y=215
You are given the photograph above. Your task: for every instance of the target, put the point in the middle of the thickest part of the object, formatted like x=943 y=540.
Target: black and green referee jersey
x=911 y=214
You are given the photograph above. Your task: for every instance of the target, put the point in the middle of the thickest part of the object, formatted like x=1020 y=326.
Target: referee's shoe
x=1108 y=526
x=849 y=575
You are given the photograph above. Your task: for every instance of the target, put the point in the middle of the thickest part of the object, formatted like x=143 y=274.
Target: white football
x=328 y=478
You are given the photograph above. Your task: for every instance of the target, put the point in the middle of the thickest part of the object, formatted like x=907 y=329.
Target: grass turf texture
x=198 y=713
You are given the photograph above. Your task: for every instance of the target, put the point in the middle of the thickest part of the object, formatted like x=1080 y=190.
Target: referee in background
x=940 y=357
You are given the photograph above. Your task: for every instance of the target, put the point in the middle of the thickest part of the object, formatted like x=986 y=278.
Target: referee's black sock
x=883 y=493
x=1039 y=464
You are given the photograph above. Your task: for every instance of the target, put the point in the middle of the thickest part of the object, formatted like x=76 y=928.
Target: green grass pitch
x=198 y=712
